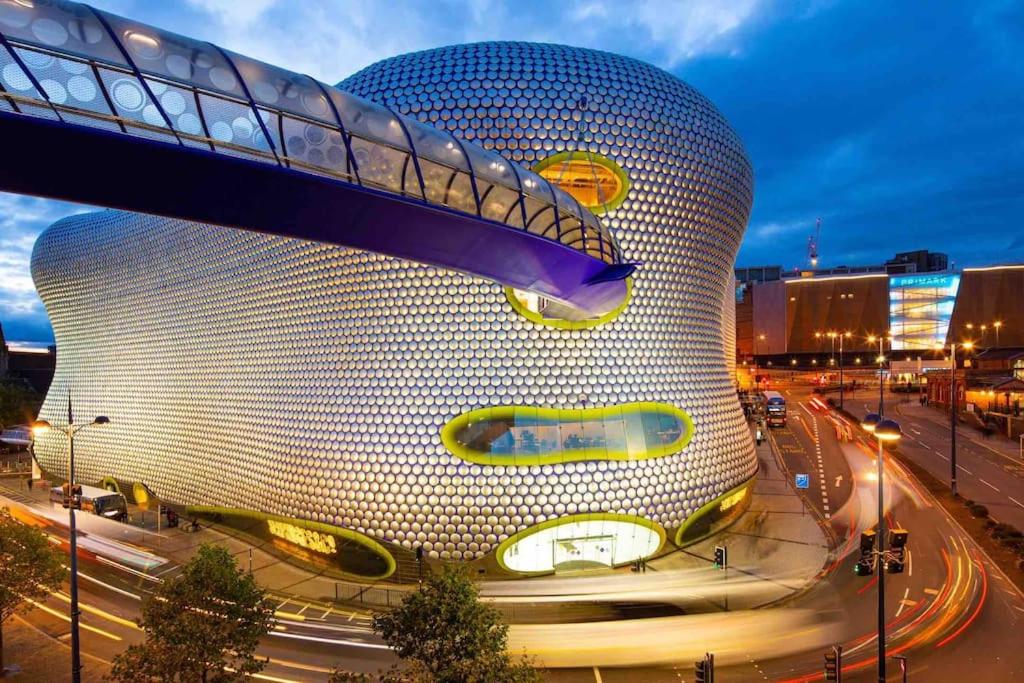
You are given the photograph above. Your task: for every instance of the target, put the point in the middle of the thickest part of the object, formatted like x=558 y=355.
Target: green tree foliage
x=19 y=403
x=204 y=621
x=30 y=567
x=447 y=635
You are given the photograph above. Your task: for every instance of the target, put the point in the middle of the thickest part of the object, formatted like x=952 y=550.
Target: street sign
x=803 y=481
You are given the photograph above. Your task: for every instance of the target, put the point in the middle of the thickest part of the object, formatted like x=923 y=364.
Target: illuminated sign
x=305 y=538
x=733 y=500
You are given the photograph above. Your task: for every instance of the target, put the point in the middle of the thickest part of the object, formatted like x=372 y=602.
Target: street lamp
x=997 y=324
x=842 y=336
x=884 y=430
x=967 y=346
x=881 y=368
x=70 y=430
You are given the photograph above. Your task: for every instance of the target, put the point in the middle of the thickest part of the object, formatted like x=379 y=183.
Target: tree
x=449 y=636
x=201 y=623
x=19 y=402
x=30 y=567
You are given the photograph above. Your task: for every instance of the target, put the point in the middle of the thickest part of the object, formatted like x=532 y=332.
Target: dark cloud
x=901 y=127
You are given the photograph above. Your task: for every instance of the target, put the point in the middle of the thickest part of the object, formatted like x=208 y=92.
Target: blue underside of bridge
x=66 y=161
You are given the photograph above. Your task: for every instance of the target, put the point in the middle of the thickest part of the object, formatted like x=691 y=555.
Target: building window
x=597 y=182
x=549 y=312
x=524 y=435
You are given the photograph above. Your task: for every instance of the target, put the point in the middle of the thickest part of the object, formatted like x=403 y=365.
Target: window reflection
x=633 y=431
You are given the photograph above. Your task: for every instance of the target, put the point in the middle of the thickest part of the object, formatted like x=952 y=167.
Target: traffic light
x=72 y=496
x=721 y=557
x=704 y=670
x=834 y=664
x=897 y=551
x=700 y=673
x=865 y=564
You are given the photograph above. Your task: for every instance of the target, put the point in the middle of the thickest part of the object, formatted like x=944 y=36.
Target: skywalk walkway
x=99 y=109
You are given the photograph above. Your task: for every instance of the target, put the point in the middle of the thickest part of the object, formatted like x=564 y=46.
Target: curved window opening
x=595 y=181
x=552 y=313
x=525 y=435
x=581 y=542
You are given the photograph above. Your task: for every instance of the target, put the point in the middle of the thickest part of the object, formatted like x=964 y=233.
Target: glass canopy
x=72 y=63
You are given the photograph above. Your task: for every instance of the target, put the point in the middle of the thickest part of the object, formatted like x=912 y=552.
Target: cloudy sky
x=900 y=124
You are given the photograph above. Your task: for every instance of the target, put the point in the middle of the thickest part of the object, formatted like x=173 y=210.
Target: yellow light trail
x=66 y=618
x=97 y=611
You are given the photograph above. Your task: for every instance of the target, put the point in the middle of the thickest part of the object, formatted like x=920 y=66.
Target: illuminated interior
x=920 y=308
x=581 y=542
x=553 y=314
x=524 y=435
x=597 y=183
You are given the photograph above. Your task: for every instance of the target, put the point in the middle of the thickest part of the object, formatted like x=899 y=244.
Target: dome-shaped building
x=369 y=399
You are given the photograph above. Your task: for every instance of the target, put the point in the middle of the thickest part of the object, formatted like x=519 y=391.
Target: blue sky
x=900 y=124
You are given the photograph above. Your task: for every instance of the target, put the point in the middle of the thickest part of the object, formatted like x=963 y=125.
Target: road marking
x=916 y=431
x=965 y=469
x=839 y=480
x=1019 y=609
x=904 y=602
x=988 y=484
x=931 y=591
x=1016 y=501
x=597 y=675
x=944 y=457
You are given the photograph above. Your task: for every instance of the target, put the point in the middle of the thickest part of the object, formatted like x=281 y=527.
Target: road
x=951 y=613
x=986 y=473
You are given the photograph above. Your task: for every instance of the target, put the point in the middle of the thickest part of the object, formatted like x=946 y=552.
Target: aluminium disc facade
x=314 y=382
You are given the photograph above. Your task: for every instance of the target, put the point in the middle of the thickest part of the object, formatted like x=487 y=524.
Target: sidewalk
x=775 y=532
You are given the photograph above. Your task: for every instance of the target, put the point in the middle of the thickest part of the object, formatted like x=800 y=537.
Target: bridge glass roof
x=67 y=61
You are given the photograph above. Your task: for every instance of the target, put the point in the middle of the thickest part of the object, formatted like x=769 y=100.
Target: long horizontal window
x=524 y=435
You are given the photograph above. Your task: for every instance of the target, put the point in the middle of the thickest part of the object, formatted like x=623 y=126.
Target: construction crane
x=812 y=245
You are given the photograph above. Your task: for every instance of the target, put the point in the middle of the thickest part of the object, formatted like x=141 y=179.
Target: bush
x=978 y=510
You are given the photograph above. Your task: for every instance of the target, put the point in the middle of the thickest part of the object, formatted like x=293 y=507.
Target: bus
x=109 y=504
x=775 y=409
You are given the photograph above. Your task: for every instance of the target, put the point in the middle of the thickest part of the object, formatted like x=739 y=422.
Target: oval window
x=597 y=182
x=538 y=309
x=524 y=435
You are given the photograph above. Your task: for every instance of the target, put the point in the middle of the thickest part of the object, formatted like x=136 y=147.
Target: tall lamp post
x=967 y=346
x=70 y=430
x=881 y=369
x=841 y=335
x=884 y=430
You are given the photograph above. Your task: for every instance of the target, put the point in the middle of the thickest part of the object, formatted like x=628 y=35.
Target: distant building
x=920 y=261
x=788 y=320
x=32 y=364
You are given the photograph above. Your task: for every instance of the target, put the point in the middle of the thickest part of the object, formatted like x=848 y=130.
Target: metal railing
x=69 y=62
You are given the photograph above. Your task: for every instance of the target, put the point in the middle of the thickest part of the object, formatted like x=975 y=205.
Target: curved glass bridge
x=99 y=109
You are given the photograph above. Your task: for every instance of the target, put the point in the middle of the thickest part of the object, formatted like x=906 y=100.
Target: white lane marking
x=315 y=639
x=916 y=431
x=965 y=469
x=904 y=602
x=944 y=457
x=839 y=480
x=1016 y=501
x=1019 y=609
x=931 y=591
x=988 y=484
x=597 y=675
